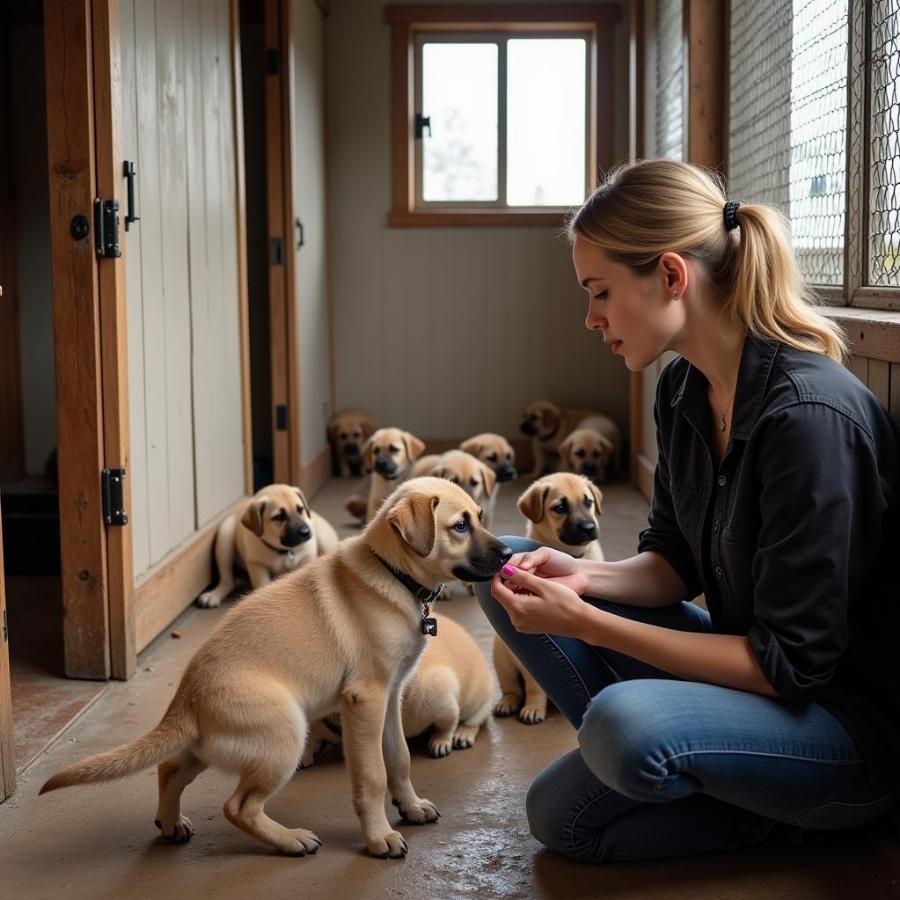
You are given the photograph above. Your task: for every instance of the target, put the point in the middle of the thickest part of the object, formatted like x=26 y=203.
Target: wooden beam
x=536 y=13
x=241 y=213
x=871 y=333
x=704 y=28
x=7 y=757
x=77 y=328
x=114 y=331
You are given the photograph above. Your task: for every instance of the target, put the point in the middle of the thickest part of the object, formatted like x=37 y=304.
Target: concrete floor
x=100 y=842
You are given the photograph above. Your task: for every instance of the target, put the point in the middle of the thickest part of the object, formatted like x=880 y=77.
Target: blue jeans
x=668 y=768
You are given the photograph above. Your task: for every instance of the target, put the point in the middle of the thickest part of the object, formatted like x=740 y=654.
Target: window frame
x=594 y=22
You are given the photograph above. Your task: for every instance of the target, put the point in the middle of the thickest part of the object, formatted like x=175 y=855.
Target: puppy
x=343 y=632
x=593 y=449
x=451 y=692
x=271 y=533
x=548 y=425
x=388 y=454
x=348 y=430
x=470 y=473
x=563 y=511
x=497 y=453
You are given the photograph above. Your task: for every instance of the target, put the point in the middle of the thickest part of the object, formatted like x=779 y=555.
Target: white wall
x=446 y=332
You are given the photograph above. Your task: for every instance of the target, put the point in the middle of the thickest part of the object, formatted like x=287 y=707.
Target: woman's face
x=636 y=315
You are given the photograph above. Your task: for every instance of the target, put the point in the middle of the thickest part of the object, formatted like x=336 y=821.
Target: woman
x=776 y=496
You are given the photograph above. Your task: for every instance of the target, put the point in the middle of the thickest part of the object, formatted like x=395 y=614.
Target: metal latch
x=106 y=227
x=114 y=497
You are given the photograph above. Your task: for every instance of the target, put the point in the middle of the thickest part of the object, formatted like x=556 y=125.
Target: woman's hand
x=550 y=564
x=539 y=605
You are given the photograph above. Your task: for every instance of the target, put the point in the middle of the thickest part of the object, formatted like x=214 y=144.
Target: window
x=814 y=113
x=502 y=115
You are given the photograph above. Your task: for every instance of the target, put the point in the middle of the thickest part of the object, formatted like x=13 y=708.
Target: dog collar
x=283 y=551
x=421 y=593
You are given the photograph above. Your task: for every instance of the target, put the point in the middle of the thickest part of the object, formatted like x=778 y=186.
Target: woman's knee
x=624 y=741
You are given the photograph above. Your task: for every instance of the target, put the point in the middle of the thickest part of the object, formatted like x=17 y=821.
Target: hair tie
x=731 y=208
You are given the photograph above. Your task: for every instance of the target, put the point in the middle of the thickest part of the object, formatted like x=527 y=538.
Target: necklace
x=722 y=418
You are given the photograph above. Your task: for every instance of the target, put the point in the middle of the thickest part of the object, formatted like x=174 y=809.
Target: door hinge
x=106 y=227
x=114 y=497
x=273 y=60
x=277 y=251
x=281 y=418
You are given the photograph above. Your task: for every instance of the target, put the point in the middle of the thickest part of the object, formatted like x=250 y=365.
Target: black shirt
x=793 y=538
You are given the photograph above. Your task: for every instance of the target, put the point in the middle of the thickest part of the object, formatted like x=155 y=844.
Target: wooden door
x=7 y=760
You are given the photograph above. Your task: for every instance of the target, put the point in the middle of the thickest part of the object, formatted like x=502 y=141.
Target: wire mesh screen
x=788 y=121
x=884 y=199
x=669 y=80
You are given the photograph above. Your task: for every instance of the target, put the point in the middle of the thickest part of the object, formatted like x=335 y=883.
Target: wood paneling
x=705 y=39
x=77 y=329
x=7 y=759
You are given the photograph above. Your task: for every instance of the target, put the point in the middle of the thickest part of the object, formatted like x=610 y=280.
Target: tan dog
x=470 y=473
x=451 y=691
x=348 y=430
x=269 y=534
x=593 y=449
x=388 y=455
x=563 y=512
x=548 y=425
x=497 y=453
x=343 y=632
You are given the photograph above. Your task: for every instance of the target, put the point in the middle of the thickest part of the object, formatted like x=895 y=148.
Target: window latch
x=422 y=122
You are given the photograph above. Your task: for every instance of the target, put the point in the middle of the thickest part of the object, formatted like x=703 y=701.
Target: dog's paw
x=420 y=812
x=179 y=832
x=302 y=842
x=389 y=846
x=507 y=705
x=532 y=715
x=308 y=759
x=462 y=740
x=209 y=599
x=440 y=747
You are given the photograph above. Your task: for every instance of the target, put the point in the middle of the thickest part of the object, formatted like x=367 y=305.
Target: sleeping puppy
x=270 y=533
x=342 y=633
x=593 y=449
x=451 y=692
x=348 y=430
x=388 y=455
x=548 y=425
x=494 y=451
x=563 y=511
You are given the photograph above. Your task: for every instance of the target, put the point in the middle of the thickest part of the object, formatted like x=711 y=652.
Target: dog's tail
x=176 y=730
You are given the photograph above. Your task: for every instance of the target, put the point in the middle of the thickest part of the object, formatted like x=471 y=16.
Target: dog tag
x=429 y=626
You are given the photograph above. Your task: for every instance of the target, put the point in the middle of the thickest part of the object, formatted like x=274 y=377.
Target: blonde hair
x=648 y=207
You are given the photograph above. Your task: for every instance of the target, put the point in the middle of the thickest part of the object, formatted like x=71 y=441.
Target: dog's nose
x=588 y=528
x=504 y=553
x=506 y=473
x=527 y=428
x=385 y=467
x=351 y=448
x=589 y=468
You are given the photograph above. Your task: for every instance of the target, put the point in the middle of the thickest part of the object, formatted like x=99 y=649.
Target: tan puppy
x=388 y=455
x=451 y=691
x=343 y=632
x=471 y=474
x=593 y=449
x=348 y=430
x=497 y=453
x=270 y=533
x=563 y=511
x=548 y=425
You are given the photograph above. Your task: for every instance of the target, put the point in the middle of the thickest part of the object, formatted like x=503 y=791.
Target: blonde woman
x=777 y=712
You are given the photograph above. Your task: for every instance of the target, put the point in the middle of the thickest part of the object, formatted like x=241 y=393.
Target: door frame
x=7 y=755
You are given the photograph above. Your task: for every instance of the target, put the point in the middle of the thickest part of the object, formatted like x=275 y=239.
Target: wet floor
x=100 y=842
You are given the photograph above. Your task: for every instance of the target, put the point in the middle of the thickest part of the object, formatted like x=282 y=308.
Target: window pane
x=669 y=113
x=545 y=161
x=884 y=202
x=459 y=93
x=788 y=122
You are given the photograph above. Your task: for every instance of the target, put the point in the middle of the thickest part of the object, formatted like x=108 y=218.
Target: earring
x=675 y=295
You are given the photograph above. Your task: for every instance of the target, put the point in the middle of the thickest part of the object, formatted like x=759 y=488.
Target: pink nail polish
x=509 y=570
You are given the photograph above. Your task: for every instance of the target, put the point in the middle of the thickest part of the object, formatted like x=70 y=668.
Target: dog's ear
x=531 y=503
x=607 y=446
x=253 y=516
x=412 y=517
x=489 y=477
x=550 y=416
x=471 y=446
x=367 y=426
x=598 y=497
x=303 y=502
x=414 y=446
x=368 y=453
